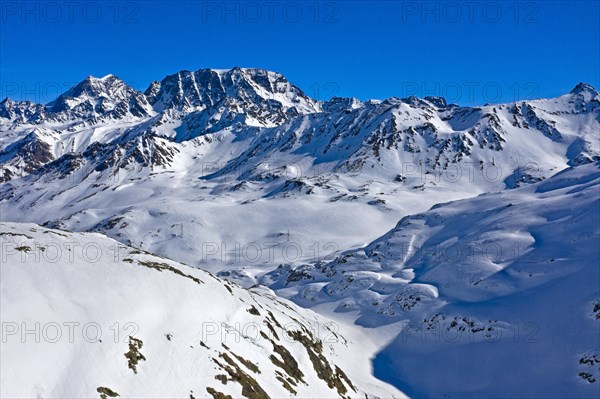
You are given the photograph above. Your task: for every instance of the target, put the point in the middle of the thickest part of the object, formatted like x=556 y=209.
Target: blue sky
x=470 y=52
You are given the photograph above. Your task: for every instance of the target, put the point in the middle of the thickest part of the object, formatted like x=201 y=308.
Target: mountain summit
x=583 y=87
x=256 y=91
x=98 y=97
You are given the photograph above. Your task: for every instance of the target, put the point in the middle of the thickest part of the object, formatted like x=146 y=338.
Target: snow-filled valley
x=229 y=235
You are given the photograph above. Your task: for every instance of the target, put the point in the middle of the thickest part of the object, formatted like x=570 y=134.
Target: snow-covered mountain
x=208 y=101
x=494 y=296
x=107 y=97
x=217 y=139
x=266 y=119
x=240 y=173
x=113 y=320
x=20 y=112
x=92 y=111
x=251 y=90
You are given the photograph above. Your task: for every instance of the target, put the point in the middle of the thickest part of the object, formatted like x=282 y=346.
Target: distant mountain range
x=276 y=119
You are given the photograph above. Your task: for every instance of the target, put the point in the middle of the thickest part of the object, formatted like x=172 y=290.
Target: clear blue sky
x=471 y=52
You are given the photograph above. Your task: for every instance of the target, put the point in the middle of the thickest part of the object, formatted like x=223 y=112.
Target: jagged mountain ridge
x=193 y=103
x=210 y=100
x=207 y=104
x=107 y=97
x=187 y=91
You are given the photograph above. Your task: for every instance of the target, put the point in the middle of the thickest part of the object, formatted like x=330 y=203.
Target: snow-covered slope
x=495 y=296
x=84 y=316
x=246 y=149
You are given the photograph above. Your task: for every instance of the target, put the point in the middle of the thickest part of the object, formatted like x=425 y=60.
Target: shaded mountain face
x=27 y=154
x=249 y=88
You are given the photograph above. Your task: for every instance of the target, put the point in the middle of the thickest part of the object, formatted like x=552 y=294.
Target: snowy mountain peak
x=584 y=98
x=97 y=97
x=20 y=111
x=584 y=87
x=211 y=100
x=92 y=86
x=248 y=88
x=437 y=101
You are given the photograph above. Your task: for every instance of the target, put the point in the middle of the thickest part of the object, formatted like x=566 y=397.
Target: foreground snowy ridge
x=83 y=316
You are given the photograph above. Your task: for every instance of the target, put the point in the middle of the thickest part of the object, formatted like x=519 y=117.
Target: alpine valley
x=229 y=235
